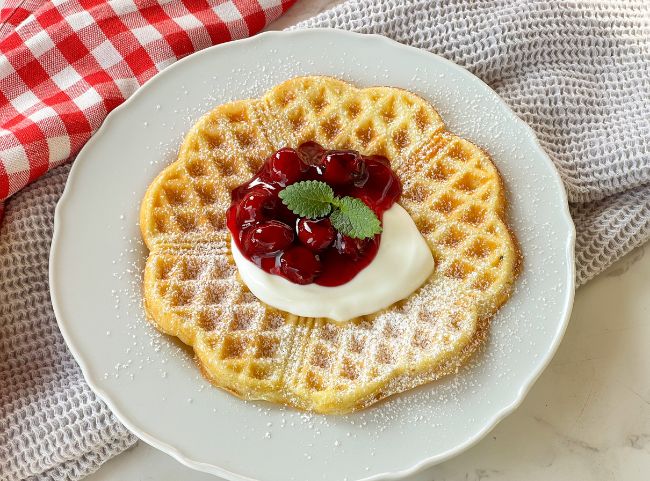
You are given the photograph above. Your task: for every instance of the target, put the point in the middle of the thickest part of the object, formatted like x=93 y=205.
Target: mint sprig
x=309 y=198
x=349 y=215
x=352 y=217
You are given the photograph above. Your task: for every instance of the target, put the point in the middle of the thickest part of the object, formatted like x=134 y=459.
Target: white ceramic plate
x=151 y=383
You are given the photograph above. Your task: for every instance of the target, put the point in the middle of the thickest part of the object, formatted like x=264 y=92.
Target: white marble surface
x=586 y=418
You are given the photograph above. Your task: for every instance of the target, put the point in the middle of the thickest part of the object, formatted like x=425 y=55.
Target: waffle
x=450 y=188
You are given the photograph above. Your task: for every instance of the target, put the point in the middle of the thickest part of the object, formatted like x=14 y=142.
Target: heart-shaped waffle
x=451 y=189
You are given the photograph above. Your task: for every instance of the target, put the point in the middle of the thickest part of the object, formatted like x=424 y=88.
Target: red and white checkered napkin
x=65 y=64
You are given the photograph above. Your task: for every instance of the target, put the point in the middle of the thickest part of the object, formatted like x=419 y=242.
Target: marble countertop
x=586 y=418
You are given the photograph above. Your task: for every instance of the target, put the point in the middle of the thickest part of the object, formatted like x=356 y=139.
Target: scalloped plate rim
x=95 y=383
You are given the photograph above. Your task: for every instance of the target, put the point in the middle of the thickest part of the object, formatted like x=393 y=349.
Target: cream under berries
x=306 y=249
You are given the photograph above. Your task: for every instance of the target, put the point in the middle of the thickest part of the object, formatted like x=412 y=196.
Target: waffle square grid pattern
x=451 y=189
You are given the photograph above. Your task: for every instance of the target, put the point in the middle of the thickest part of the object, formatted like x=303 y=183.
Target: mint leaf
x=313 y=199
x=352 y=217
x=309 y=198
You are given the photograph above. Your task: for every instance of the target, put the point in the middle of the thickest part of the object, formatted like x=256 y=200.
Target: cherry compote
x=303 y=250
x=316 y=234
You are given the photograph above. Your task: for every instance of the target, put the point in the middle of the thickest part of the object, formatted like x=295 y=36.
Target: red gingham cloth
x=65 y=64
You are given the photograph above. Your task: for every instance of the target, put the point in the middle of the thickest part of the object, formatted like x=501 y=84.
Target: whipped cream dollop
x=402 y=264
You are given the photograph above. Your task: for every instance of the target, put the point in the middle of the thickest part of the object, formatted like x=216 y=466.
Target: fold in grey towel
x=578 y=73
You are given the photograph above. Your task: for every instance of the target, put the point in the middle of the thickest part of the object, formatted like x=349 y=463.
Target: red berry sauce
x=303 y=250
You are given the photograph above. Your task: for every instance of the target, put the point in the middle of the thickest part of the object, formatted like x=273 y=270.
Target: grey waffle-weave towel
x=578 y=73
x=52 y=426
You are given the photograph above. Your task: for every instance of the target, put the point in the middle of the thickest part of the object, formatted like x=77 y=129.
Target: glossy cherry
x=285 y=167
x=316 y=234
x=256 y=205
x=350 y=247
x=382 y=186
x=300 y=265
x=266 y=238
x=341 y=167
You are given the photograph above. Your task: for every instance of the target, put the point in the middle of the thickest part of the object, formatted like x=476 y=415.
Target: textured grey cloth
x=578 y=73
x=52 y=426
